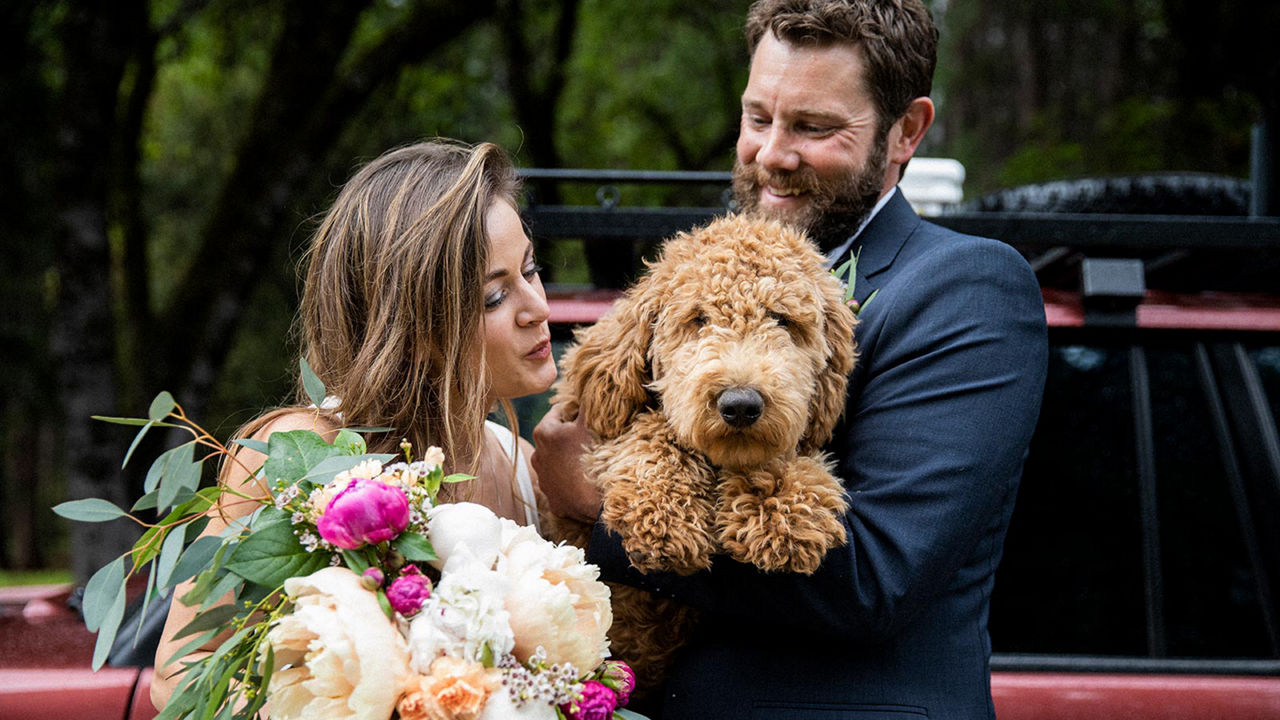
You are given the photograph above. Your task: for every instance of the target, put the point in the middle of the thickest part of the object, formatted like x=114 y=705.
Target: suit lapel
x=880 y=243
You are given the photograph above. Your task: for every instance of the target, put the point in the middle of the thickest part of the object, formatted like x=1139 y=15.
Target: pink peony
x=407 y=592
x=365 y=512
x=372 y=579
x=597 y=703
x=619 y=677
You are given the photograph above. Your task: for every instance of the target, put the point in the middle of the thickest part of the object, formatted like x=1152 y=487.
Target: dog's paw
x=785 y=522
x=663 y=537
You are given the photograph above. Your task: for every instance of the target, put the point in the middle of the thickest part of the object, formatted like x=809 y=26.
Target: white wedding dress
x=524 y=481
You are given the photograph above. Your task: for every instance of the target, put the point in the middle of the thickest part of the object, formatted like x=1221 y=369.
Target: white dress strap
x=523 y=479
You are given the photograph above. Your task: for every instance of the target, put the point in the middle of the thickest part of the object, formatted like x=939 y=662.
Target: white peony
x=464 y=618
x=556 y=601
x=336 y=654
x=464 y=525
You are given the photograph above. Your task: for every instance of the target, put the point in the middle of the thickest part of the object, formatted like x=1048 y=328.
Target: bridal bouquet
x=354 y=594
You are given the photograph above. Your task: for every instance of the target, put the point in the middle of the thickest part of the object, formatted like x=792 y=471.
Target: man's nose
x=777 y=151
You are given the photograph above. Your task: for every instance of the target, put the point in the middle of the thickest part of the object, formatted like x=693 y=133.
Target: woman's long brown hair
x=392 y=311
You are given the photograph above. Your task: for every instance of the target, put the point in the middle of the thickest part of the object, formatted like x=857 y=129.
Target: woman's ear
x=607 y=370
x=833 y=380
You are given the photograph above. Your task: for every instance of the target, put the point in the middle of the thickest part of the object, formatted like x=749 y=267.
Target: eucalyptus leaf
x=198 y=641
x=146 y=502
x=294 y=453
x=215 y=618
x=160 y=466
x=101 y=592
x=181 y=473
x=256 y=445
x=137 y=422
x=170 y=551
x=311 y=383
x=107 y=631
x=226 y=584
x=137 y=439
x=272 y=554
x=414 y=547
x=89 y=510
x=161 y=406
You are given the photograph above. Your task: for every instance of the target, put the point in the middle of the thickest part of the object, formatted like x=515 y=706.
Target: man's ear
x=909 y=130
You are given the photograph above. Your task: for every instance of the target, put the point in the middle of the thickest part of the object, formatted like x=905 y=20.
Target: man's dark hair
x=898 y=39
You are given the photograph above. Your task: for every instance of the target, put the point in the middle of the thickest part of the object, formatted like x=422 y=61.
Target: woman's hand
x=557 y=459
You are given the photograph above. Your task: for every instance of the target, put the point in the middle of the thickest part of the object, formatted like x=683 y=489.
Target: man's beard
x=835 y=208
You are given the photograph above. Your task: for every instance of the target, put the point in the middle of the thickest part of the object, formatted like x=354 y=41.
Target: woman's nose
x=535 y=310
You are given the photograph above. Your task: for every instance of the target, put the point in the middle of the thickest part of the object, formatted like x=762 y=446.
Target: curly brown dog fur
x=709 y=388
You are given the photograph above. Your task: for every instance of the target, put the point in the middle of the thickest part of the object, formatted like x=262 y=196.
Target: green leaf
x=146 y=502
x=268 y=667
x=414 y=547
x=206 y=579
x=136 y=439
x=132 y=421
x=107 y=632
x=181 y=473
x=215 y=618
x=197 y=642
x=101 y=591
x=89 y=510
x=350 y=443
x=626 y=714
x=170 y=551
x=161 y=406
x=272 y=554
x=228 y=583
x=458 y=477
x=292 y=454
x=311 y=383
x=252 y=444
x=355 y=561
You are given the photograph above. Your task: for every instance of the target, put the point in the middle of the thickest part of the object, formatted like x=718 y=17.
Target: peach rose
x=454 y=690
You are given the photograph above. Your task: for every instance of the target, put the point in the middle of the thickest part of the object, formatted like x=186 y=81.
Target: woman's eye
x=532 y=270
x=494 y=299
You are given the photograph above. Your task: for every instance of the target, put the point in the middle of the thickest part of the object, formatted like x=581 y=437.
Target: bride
x=422 y=310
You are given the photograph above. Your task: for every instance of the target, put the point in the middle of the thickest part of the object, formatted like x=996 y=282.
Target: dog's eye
x=698 y=321
x=780 y=320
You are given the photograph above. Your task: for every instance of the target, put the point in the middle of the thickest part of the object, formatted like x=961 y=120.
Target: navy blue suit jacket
x=941 y=407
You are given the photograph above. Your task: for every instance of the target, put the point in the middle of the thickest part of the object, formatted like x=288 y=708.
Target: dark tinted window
x=1072 y=580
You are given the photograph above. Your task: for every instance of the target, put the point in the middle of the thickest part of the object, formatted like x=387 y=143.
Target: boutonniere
x=847 y=273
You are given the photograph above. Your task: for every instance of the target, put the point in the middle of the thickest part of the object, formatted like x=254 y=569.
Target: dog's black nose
x=740 y=406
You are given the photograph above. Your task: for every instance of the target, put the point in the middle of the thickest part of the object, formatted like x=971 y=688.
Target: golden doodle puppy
x=709 y=389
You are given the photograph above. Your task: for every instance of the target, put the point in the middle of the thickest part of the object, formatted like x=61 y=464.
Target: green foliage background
x=161 y=144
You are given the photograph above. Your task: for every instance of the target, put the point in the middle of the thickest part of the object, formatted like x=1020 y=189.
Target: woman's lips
x=541 y=351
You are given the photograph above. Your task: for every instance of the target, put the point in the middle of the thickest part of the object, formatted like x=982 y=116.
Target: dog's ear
x=607 y=371
x=833 y=380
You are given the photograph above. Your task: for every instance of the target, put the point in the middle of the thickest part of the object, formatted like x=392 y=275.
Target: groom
x=940 y=410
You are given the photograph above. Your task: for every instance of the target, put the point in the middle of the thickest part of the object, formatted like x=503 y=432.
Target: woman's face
x=517 y=341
